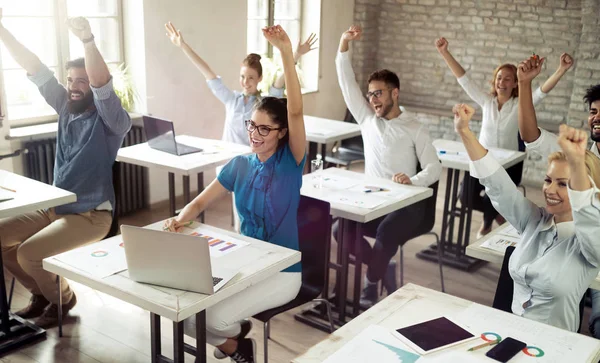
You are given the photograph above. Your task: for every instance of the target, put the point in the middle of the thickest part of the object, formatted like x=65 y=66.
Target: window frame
x=61 y=33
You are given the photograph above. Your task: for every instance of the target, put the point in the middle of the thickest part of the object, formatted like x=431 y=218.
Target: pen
x=10 y=190
x=449 y=152
x=486 y=344
x=187 y=224
x=371 y=191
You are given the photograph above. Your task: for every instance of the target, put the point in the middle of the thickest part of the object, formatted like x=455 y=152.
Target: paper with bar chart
x=219 y=244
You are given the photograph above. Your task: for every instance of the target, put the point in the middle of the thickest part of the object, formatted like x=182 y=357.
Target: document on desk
x=219 y=244
x=545 y=343
x=100 y=259
x=6 y=195
x=510 y=231
x=499 y=243
x=337 y=182
x=374 y=344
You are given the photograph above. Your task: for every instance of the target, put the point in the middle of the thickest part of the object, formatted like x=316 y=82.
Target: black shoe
x=245 y=352
x=389 y=280
x=37 y=306
x=246 y=327
x=368 y=296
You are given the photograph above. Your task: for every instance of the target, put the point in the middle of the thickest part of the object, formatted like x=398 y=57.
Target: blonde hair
x=592 y=164
x=513 y=68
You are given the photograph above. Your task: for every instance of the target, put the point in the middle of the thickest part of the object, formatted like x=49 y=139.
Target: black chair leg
x=267 y=334
x=329 y=313
x=440 y=260
x=10 y=294
x=60 y=303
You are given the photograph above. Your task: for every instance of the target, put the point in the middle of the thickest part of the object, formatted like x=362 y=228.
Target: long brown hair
x=252 y=60
x=513 y=68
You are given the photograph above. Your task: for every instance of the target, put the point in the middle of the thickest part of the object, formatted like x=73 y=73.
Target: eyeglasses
x=263 y=130
x=377 y=93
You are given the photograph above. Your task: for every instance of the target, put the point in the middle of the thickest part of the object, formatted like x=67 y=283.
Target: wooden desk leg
x=178 y=352
x=342 y=277
x=201 y=337
x=186 y=189
x=323 y=153
x=171 y=194
x=155 y=338
x=357 y=267
x=200 y=190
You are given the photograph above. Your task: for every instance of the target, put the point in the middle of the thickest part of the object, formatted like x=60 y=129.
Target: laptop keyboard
x=216 y=280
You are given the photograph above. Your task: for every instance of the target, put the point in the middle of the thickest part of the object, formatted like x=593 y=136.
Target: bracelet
x=90 y=39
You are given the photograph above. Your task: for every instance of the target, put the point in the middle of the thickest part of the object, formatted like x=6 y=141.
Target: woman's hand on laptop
x=173 y=225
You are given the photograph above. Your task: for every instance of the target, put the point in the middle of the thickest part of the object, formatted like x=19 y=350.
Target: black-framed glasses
x=263 y=130
x=377 y=93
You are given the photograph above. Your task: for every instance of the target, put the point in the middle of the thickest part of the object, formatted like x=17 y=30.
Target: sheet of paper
x=356 y=199
x=374 y=344
x=557 y=345
x=219 y=244
x=458 y=156
x=100 y=259
x=338 y=183
x=448 y=356
x=6 y=195
x=510 y=231
x=499 y=243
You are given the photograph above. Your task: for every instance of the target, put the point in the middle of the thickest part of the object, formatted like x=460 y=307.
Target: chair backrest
x=314 y=232
x=504 y=289
x=354 y=143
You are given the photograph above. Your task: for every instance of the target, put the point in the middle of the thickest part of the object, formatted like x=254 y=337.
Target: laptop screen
x=160 y=134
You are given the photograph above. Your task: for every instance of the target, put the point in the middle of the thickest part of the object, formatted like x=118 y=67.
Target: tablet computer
x=434 y=335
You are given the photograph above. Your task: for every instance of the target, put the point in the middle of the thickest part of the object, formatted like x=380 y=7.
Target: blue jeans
x=595 y=316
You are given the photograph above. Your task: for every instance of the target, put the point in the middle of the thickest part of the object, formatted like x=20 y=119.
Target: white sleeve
x=355 y=101
x=545 y=145
x=538 y=96
x=586 y=214
x=427 y=155
x=476 y=93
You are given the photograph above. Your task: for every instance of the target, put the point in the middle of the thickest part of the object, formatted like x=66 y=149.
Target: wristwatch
x=90 y=39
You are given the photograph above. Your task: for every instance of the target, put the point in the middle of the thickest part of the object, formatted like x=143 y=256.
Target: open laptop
x=173 y=260
x=161 y=136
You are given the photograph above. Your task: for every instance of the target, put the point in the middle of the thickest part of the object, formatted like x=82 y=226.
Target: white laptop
x=173 y=260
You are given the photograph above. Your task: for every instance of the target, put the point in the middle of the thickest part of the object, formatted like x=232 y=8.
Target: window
x=299 y=18
x=40 y=25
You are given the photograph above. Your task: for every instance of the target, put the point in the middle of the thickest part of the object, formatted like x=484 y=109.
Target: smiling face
x=555 y=188
x=80 y=93
x=383 y=99
x=594 y=121
x=264 y=144
x=505 y=82
x=249 y=80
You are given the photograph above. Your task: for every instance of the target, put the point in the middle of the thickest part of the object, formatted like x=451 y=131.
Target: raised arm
x=297 y=134
x=301 y=50
x=95 y=67
x=23 y=56
x=566 y=62
x=177 y=39
x=442 y=46
x=503 y=193
x=526 y=72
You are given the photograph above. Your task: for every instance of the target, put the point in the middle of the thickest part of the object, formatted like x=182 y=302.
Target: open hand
x=307 y=46
x=573 y=142
x=462 y=115
x=174 y=34
x=401 y=178
x=528 y=69
x=566 y=62
x=442 y=45
x=277 y=37
x=80 y=27
x=353 y=33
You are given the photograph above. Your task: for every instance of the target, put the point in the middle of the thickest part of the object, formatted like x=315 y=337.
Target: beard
x=386 y=109
x=77 y=107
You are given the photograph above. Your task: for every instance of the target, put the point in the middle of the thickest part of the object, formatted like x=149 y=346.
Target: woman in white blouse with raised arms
x=559 y=253
x=499 y=124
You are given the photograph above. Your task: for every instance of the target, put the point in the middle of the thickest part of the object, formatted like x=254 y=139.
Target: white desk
x=406 y=195
x=413 y=304
x=486 y=254
x=325 y=131
x=456 y=160
x=215 y=153
x=31 y=195
x=257 y=261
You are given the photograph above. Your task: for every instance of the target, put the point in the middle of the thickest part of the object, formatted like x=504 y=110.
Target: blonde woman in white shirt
x=559 y=253
x=499 y=125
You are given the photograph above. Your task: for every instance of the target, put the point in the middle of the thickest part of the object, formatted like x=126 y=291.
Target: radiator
x=130 y=181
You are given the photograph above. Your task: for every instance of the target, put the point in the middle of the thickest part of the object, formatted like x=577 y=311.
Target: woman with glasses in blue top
x=270 y=181
x=559 y=253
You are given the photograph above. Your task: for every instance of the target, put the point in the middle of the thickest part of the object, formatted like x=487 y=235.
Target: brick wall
x=400 y=35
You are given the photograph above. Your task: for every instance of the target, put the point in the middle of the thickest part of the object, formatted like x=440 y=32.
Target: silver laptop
x=173 y=260
x=161 y=136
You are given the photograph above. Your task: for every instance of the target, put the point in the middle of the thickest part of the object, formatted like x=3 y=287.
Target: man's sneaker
x=389 y=280
x=368 y=296
x=246 y=327
x=246 y=351
x=50 y=316
x=36 y=307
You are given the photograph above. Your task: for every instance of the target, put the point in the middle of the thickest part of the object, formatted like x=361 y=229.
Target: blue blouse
x=267 y=196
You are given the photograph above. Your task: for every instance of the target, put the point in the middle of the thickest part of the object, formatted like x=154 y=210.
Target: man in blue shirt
x=91 y=127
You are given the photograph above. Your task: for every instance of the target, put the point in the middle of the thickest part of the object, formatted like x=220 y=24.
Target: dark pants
x=389 y=231
x=481 y=202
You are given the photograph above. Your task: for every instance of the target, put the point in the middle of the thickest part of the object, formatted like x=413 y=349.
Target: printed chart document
x=374 y=344
x=100 y=259
x=219 y=244
x=499 y=243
